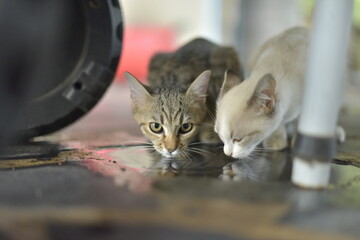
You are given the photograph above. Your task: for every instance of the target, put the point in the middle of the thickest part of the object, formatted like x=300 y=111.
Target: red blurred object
x=140 y=44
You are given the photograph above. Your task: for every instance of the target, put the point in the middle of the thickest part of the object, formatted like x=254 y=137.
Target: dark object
x=310 y=148
x=29 y=150
x=57 y=59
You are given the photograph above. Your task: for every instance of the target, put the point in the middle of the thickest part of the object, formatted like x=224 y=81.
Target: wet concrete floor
x=107 y=184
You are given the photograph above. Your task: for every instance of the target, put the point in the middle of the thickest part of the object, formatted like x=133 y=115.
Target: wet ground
x=107 y=184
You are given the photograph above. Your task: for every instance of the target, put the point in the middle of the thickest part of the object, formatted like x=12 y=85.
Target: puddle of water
x=138 y=167
x=208 y=161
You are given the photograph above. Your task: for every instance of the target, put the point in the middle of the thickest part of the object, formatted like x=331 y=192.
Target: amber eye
x=185 y=128
x=156 y=127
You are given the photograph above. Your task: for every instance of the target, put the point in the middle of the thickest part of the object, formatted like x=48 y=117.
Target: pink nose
x=228 y=153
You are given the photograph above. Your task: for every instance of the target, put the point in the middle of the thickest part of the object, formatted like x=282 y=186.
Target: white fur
x=284 y=58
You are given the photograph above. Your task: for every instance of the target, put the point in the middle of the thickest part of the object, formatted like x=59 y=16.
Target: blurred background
x=160 y=25
x=152 y=26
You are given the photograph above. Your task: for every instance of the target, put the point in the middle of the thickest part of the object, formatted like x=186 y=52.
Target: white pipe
x=211 y=20
x=323 y=89
x=326 y=65
x=310 y=175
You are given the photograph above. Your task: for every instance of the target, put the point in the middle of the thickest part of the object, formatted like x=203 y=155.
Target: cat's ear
x=198 y=89
x=139 y=94
x=230 y=81
x=264 y=97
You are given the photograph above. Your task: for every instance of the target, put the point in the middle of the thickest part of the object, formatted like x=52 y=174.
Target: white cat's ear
x=198 y=89
x=139 y=94
x=230 y=81
x=264 y=96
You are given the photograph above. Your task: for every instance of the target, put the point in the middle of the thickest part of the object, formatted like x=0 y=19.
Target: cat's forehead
x=237 y=97
x=170 y=108
x=233 y=121
x=171 y=100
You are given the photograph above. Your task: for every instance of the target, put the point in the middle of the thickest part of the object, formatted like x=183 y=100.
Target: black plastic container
x=57 y=60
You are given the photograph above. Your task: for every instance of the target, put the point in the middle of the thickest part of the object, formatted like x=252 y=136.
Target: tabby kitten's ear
x=230 y=81
x=198 y=89
x=264 y=96
x=139 y=94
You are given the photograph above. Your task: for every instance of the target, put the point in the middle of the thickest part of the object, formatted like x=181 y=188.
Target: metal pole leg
x=211 y=20
x=315 y=145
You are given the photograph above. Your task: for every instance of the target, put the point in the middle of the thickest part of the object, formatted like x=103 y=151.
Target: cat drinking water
x=178 y=106
x=257 y=109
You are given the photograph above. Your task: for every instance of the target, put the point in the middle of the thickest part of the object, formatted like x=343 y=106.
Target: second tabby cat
x=178 y=106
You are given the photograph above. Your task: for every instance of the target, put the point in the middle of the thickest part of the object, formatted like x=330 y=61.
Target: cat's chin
x=166 y=154
x=240 y=156
x=243 y=153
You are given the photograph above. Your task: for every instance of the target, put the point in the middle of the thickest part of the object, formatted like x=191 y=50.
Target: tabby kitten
x=178 y=106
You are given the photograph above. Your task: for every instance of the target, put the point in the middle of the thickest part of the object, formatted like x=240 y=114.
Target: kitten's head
x=170 y=117
x=246 y=115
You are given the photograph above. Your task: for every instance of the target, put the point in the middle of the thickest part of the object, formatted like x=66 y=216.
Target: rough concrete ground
x=106 y=184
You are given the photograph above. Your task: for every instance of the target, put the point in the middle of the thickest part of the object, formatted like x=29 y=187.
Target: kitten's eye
x=185 y=128
x=156 y=127
x=237 y=140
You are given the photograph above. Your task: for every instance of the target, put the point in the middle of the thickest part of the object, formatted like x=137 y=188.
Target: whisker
x=187 y=157
x=137 y=142
x=266 y=149
x=201 y=150
x=140 y=146
x=201 y=153
x=250 y=157
x=195 y=143
x=212 y=116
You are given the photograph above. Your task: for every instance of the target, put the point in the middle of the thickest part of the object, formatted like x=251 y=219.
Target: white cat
x=257 y=109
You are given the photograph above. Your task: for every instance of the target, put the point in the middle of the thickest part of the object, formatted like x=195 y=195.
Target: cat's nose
x=228 y=150
x=228 y=153
x=171 y=150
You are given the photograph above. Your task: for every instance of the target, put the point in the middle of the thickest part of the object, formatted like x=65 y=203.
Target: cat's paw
x=233 y=172
x=238 y=171
x=275 y=143
x=340 y=134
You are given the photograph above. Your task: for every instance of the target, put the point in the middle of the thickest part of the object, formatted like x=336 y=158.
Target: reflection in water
x=206 y=160
x=212 y=162
x=266 y=166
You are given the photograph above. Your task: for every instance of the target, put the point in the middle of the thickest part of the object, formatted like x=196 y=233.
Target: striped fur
x=181 y=92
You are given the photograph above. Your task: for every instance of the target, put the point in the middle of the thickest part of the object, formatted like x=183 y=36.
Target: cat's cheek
x=158 y=149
